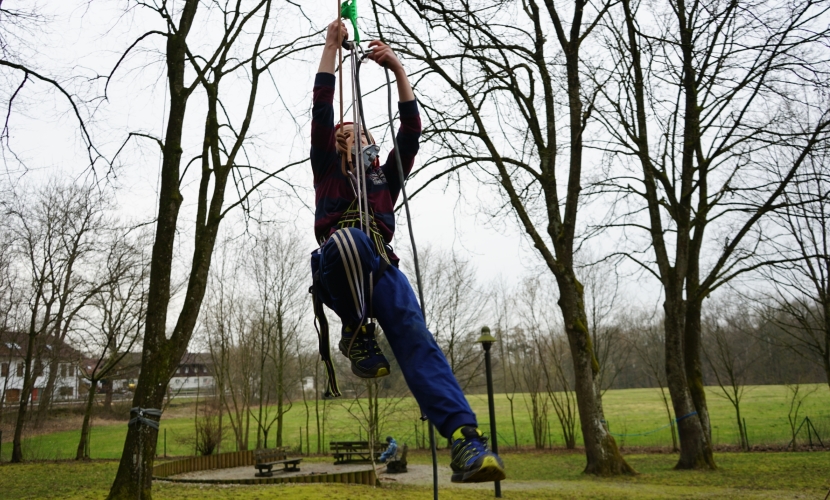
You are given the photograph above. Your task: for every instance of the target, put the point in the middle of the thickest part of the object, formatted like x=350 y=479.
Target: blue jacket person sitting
x=390 y=451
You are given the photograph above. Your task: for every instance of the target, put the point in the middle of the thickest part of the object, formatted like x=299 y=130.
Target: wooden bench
x=266 y=459
x=397 y=465
x=354 y=451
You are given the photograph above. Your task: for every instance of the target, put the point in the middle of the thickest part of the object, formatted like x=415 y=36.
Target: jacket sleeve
x=324 y=155
x=389 y=453
x=408 y=136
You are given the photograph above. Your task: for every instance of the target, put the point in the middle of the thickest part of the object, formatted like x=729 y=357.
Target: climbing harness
x=355 y=161
x=351 y=218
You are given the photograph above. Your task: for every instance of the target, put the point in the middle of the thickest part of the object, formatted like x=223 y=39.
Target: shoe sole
x=489 y=471
x=382 y=372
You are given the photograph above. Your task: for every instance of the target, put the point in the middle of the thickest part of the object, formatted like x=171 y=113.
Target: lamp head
x=486 y=340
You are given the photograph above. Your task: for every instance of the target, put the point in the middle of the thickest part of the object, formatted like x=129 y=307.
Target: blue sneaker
x=472 y=461
x=364 y=352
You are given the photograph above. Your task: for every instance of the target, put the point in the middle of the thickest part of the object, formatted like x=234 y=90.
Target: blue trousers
x=394 y=305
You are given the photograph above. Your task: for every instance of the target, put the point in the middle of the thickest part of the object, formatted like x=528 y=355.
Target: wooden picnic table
x=354 y=451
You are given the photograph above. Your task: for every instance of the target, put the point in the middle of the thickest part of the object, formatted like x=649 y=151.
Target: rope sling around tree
x=348 y=11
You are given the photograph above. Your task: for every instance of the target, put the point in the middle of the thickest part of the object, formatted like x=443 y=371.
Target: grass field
x=531 y=475
x=629 y=411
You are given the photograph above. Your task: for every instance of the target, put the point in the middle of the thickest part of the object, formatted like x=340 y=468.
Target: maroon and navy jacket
x=333 y=191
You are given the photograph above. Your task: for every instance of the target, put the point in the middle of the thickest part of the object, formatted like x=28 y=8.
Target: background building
x=49 y=352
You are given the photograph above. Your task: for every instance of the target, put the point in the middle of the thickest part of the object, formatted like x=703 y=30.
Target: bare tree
x=796 y=396
x=728 y=350
x=247 y=43
x=504 y=304
x=218 y=323
x=11 y=300
x=601 y=282
x=375 y=405
x=454 y=310
x=495 y=113
x=85 y=226
x=559 y=385
x=278 y=268
x=54 y=230
x=114 y=318
x=800 y=306
x=698 y=100
x=548 y=357
x=306 y=362
x=226 y=326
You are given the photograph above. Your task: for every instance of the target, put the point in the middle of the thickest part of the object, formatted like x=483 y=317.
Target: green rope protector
x=348 y=10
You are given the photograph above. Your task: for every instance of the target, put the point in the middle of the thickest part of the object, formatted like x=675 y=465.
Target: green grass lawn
x=531 y=475
x=629 y=411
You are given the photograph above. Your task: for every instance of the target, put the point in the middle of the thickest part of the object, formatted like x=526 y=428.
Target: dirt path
x=417 y=475
x=247 y=472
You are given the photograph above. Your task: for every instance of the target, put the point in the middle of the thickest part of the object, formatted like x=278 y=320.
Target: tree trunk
x=513 y=421
x=281 y=353
x=671 y=421
x=827 y=369
x=741 y=430
x=694 y=370
x=108 y=396
x=825 y=358
x=80 y=454
x=601 y=451
x=134 y=477
x=603 y=456
x=135 y=472
x=45 y=398
x=221 y=430
x=28 y=381
x=695 y=451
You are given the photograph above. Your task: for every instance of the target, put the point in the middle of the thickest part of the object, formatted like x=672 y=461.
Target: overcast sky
x=85 y=39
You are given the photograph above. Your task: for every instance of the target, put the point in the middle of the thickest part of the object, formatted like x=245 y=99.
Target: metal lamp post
x=486 y=340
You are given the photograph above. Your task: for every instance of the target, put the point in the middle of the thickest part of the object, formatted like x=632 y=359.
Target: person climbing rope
x=355 y=270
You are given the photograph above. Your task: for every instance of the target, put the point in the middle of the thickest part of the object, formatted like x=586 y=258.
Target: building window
x=71 y=370
x=4 y=370
x=20 y=368
x=186 y=370
x=63 y=371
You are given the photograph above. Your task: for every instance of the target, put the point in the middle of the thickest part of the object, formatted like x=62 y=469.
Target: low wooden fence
x=166 y=470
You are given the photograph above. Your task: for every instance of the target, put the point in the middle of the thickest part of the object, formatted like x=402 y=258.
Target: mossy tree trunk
x=602 y=454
